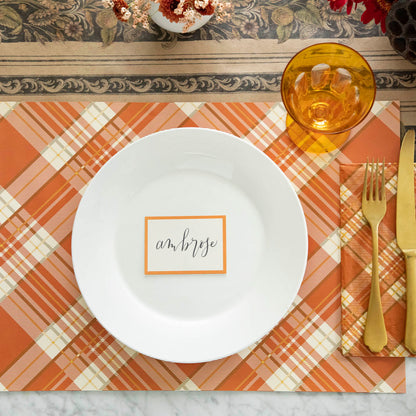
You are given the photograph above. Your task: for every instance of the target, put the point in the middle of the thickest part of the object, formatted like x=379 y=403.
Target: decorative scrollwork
x=170 y=84
x=183 y=84
x=89 y=21
x=395 y=79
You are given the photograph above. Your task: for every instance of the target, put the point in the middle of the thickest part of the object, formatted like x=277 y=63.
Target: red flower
x=374 y=9
x=377 y=10
x=339 y=4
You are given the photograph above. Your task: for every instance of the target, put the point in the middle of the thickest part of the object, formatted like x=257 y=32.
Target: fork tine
x=364 y=196
x=371 y=195
x=377 y=193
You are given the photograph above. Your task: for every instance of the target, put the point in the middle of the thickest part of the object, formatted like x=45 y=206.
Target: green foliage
x=283 y=32
x=309 y=16
x=108 y=35
x=10 y=19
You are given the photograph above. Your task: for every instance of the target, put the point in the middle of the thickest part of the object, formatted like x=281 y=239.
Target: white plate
x=190 y=318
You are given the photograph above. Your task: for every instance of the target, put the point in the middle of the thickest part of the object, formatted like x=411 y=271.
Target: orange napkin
x=356 y=248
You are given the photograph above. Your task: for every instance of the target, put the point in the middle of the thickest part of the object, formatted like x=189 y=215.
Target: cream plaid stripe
x=8 y=205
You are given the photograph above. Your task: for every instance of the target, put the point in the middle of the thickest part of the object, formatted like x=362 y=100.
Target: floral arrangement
x=374 y=9
x=179 y=11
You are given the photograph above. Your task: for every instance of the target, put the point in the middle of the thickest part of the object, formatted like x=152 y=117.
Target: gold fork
x=374 y=209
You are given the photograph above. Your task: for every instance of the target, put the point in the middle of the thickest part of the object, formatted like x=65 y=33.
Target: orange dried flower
x=121 y=10
x=168 y=7
x=178 y=11
x=210 y=9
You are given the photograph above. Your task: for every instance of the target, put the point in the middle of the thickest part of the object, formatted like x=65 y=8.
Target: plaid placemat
x=356 y=266
x=50 y=341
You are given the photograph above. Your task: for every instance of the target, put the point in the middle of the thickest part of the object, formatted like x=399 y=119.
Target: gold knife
x=406 y=232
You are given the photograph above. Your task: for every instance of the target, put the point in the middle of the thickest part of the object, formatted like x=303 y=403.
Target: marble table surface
x=147 y=403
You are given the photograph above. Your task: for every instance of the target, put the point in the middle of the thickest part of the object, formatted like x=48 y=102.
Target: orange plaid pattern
x=50 y=341
x=356 y=267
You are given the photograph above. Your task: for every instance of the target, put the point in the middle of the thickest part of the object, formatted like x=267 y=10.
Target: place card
x=185 y=245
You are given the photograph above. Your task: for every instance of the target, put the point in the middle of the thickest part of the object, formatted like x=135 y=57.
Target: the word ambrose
x=194 y=246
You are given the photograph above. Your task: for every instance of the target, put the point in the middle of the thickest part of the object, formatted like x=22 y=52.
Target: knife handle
x=410 y=334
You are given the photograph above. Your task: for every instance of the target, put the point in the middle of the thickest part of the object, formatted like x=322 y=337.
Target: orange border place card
x=185 y=245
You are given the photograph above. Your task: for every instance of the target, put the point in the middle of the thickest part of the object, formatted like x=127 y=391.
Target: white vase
x=175 y=27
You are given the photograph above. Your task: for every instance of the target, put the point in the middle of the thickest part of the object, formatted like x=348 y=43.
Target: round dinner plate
x=190 y=317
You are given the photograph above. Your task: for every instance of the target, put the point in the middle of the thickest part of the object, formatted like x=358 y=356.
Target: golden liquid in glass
x=328 y=88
